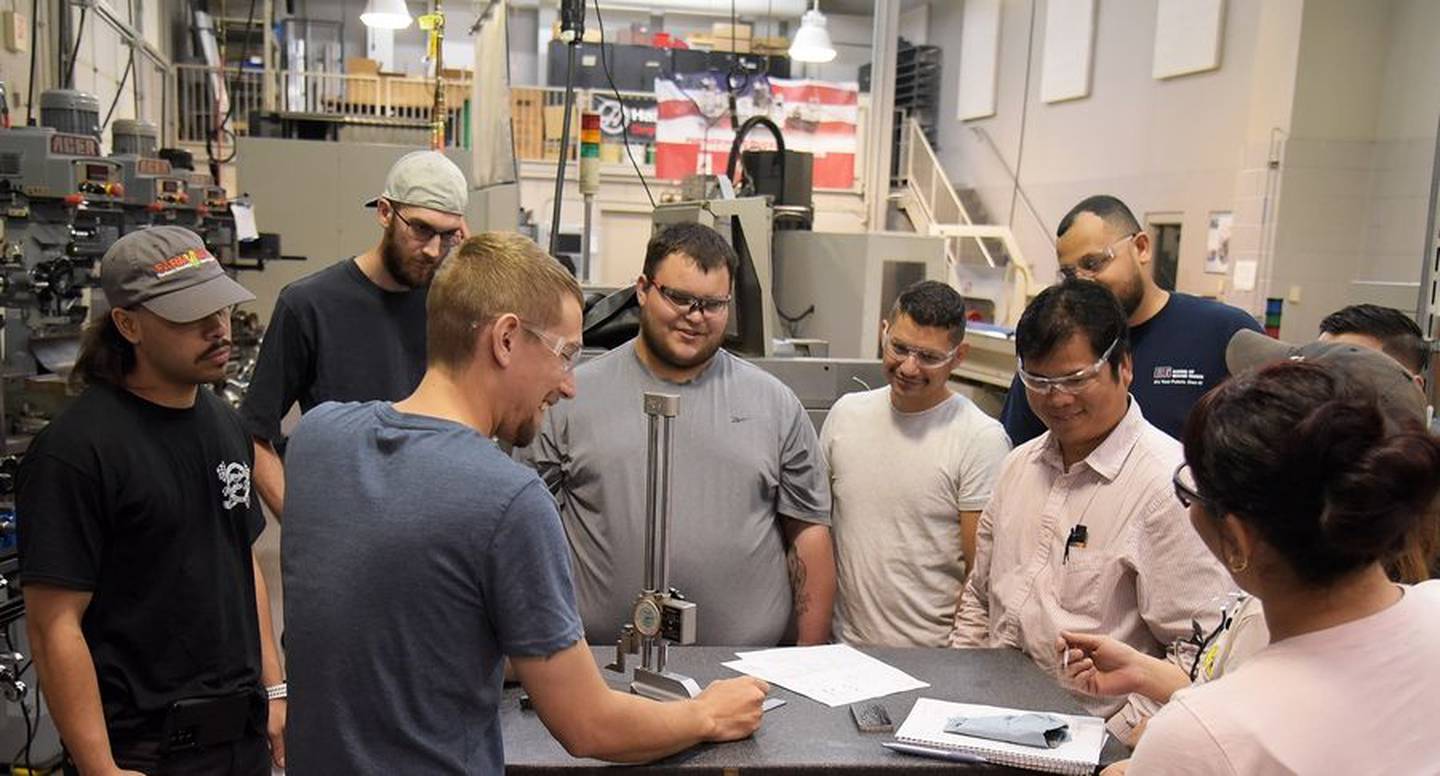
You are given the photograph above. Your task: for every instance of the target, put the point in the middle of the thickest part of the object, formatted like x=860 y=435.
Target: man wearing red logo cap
x=149 y=619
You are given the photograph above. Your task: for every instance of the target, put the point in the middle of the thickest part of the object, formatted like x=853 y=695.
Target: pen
x=953 y=755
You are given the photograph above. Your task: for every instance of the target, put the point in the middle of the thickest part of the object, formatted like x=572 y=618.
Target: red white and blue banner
x=694 y=127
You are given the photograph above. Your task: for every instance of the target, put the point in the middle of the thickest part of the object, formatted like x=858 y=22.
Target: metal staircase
x=986 y=264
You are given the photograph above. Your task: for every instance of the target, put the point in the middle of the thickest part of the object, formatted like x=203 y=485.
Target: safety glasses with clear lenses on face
x=929 y=359
x=567 y=352
x=1092 y=264
x=1069 y=384
x=709 y=306
x=424 y=233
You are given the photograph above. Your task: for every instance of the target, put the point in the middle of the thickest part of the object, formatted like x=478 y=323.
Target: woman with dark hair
x=1305 y=489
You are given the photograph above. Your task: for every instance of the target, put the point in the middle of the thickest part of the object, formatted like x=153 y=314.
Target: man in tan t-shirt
x=911 y=465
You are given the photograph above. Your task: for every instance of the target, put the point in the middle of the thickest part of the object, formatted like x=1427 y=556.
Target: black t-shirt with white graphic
x=148 y=508
x=1179 y=354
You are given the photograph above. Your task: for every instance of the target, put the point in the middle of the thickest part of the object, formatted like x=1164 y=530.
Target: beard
x=654 y=334
x=1131 y=294
x=525 y=434
x=412 y=273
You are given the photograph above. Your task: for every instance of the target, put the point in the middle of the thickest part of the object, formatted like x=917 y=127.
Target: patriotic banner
x=694 y=128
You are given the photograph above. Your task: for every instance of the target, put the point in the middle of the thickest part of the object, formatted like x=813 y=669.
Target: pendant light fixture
x=812 y=40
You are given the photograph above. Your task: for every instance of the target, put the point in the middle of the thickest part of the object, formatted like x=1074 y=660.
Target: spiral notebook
x=1080 y=755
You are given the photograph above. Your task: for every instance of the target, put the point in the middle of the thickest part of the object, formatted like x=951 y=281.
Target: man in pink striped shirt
x=1084 y=530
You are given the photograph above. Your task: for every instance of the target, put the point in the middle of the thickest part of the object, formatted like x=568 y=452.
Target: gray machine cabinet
x=851 y=280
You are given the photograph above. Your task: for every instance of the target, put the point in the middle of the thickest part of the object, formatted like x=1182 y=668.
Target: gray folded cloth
x=1042 y=730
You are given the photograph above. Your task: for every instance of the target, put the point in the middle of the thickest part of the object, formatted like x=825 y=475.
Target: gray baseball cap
x=1392 y=383
x=168 y=270
x=426 y=179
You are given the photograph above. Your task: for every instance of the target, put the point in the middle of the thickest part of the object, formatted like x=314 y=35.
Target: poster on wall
x=979 y=59
x=694 y=130
x=1217 y=242
x=1187 y=37
x=1069 y=50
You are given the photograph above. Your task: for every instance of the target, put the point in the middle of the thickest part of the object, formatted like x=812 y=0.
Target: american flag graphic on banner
x=694 y=129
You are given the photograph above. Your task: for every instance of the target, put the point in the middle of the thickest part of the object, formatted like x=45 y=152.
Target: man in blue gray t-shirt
x=417 y=556
x=1177 y=340
x=750 y=505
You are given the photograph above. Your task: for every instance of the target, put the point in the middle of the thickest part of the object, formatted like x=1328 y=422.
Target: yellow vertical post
x=434 y=23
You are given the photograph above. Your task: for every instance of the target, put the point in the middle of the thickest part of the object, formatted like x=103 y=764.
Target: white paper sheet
x=833 y=674
x=1245 y=275
x=245 y=230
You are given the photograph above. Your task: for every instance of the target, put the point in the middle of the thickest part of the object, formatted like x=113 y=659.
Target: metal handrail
x=341 y=94
x=921 y=164
x=1015 y=182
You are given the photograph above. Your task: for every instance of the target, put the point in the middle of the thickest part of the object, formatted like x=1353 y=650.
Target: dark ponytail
x=105 y=355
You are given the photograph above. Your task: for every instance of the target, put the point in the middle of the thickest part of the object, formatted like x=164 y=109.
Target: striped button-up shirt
x=1140 y=577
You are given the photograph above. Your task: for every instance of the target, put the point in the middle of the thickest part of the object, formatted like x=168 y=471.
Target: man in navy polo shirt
x=1178 y=341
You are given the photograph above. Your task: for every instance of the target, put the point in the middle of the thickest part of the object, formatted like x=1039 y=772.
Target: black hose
x=129 y=65
x=564 y=148
x=230 y=111
x=75 y=50
x=745 y=128
x=30 y=96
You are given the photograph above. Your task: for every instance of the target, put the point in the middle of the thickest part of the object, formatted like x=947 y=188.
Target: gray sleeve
x=804 y=481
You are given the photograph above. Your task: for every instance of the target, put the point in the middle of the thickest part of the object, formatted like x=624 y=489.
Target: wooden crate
x=527 y=116
x=725 y=30
x=711 y=43
x=554 y=127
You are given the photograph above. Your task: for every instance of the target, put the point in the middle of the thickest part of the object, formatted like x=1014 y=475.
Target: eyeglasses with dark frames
x=1187 y=492
x=709 y=306
x=424 y=232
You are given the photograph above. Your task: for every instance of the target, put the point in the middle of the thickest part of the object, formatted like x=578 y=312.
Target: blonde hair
x=489 y=275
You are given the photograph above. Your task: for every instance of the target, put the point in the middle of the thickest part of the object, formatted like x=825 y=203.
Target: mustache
x=213 y=349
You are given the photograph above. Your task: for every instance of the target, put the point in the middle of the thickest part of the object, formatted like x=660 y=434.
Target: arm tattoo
x=796 y=567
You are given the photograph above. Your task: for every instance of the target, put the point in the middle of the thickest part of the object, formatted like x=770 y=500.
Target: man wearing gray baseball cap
x=355 y=331
x=148 y=617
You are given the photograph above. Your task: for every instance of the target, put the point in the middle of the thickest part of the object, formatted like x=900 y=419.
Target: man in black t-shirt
x=1177 y=341
x=355 y=331
x=149 y=619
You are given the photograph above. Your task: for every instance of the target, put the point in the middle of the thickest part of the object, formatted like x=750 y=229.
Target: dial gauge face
x=646 y=617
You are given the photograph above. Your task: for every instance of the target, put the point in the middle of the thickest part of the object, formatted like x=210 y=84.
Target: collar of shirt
x=1106 y=459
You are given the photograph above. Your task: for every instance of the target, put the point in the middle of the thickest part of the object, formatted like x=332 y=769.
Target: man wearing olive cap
x=355 y=331
x=149 y=620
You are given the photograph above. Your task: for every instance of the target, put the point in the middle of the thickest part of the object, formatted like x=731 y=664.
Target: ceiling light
x=812 y=40
x=386 y=14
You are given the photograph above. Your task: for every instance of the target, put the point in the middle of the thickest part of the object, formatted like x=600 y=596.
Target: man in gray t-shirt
x=418 y=557
x=750 y=510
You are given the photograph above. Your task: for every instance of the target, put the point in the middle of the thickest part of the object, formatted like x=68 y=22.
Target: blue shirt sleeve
x=1021 y=423
x=525 y=580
